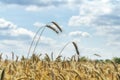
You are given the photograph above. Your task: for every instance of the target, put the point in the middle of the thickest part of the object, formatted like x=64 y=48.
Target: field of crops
x=36 y=68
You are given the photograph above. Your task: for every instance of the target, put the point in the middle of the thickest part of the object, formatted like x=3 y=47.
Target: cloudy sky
x=93 y=24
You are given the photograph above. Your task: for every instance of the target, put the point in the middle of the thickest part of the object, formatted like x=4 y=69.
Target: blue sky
x=93 y=24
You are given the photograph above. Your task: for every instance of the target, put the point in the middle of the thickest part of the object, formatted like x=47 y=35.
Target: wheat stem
x=38 y=39
x=33 y=41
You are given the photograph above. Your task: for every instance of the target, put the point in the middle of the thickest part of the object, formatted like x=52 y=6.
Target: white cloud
x=32 y=8
x=85 y=34
x=95 y=7
x=12 y=43
x=72 y=4
x=102 y=16
x=41 y=3
x=45 y=5
x=6 y=24
x=9 y=28
x=47 y=40
x=21 y=31
x=38 y=5
x=38 y=24
x=79 y=34
x=108 y=30
x=112 y=33
x=80 y=20
x=114 y=43
x=89 y=11
x=35 y=8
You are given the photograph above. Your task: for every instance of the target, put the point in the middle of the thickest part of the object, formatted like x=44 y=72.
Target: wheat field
x=48 y=69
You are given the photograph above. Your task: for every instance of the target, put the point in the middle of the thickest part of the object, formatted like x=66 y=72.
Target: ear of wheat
x=57 y=26
x=76 y=48
x=97 y=55
x=48 y=26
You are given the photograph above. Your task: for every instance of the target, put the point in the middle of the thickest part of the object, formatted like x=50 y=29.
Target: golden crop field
x=47 y=69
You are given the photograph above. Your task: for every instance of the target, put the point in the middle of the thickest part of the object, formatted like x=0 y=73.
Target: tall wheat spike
x=47 y=58
x=57 y=26
x=76 y=48
x=97 y=55
x=0 y=56
x=48 y=26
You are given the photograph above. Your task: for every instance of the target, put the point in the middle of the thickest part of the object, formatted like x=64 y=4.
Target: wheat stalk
x=2 y=74
x=52 y=56
x=33 y=41
x=74 y=72
x=115 y=66
x=63 y=48
x=99 y=75
x=38 y=40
